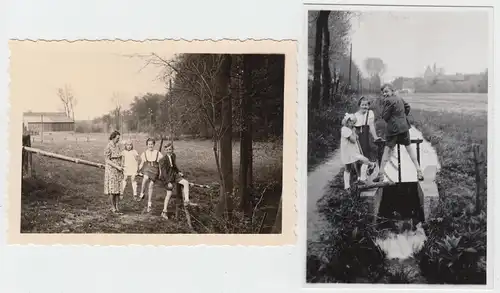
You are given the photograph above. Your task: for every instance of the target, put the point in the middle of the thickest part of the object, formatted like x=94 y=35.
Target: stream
x=399 y=247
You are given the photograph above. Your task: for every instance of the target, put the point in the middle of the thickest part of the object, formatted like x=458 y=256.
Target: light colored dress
x=130 y=163
x=349 y=152
x=112 y=176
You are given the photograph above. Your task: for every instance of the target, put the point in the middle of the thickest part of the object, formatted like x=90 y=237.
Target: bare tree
x=203 y=80
x=117 y=101
x=68 y=100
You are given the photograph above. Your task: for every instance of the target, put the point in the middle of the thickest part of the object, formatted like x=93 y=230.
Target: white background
x=57 y=269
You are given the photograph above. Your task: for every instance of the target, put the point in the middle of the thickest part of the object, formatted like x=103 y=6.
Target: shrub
x=324 y=129
x=349 y=251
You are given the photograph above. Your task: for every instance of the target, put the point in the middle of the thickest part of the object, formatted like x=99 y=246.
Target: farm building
x=50 y=121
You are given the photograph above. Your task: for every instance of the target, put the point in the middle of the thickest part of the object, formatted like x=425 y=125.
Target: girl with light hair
x=130 y=166
x=350 y=151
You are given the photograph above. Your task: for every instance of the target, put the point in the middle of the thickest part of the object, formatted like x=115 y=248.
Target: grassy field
x=64 y=197
x=455 y=252
x=470 y=104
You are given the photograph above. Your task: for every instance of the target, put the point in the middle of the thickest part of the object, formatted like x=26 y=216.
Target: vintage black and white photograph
x=142 y=138
x=397 y=145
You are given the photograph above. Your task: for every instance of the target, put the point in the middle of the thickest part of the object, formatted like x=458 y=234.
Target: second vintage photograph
x=397 y=145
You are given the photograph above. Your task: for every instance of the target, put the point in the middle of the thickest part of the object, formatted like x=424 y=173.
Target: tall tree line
x=222 y=97
x=332 y=72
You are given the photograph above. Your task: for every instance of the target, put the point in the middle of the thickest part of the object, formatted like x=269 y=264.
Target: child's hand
x=181 y=174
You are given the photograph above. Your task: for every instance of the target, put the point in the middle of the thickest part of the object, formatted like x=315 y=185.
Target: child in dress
x=130 y=165
x=150 y=168
x=350 y=151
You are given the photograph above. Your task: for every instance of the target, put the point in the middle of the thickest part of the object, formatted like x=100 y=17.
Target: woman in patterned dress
x=113 y=171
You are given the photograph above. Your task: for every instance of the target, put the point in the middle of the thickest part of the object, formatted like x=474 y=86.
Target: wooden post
x=399 y=163
x=418 y=153
x=478 y=162
x=27 y=162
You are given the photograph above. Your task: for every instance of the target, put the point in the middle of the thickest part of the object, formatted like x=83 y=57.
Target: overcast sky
x=94 y=70
x=409 y=41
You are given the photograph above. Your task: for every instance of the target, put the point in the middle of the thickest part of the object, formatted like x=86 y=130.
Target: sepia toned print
x=154 y=142
x=397 y=149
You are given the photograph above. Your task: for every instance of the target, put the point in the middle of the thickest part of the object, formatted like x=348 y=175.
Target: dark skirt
x=368 y=148
x=151 y=169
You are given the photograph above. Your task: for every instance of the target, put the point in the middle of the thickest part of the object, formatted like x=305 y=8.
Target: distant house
x=34 y=122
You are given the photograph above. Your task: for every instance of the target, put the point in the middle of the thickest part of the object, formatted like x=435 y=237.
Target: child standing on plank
x=130 y=165
x=350 y=151
x=150 y=169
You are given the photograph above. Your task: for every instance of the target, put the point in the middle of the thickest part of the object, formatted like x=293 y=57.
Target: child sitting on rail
x=150 y=168
x=350 y=151
x=173 y=177
x=130 y=166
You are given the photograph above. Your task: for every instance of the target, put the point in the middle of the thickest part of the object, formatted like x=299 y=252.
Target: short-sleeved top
x=349 y=151
x=150 y=156
x=361 y=119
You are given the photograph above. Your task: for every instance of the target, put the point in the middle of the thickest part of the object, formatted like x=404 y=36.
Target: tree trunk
x=226 y=127
x=327 y=75
x=316 y=86
x=246 y=155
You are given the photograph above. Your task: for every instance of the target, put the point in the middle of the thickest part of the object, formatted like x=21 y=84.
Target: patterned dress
x=112 y=176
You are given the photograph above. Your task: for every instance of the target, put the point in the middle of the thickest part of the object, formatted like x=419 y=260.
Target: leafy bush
x=348 y=249
x=454 y=259
x=324 y=129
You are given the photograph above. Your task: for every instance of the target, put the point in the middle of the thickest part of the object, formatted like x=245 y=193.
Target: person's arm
x=108 y=156
x=348 y=134
x=407 y=107
x=141 y=164
x=123 y=158
x=387 y=110
x=176 y=168
x=371 y=124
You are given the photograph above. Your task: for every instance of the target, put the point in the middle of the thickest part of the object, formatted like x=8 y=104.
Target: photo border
x=493 y=204
x=223 y=46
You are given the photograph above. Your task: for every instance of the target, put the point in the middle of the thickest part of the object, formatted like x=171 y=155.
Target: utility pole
x=170 y=111
x=350 y=65
x=359 y=84
x=150 y=118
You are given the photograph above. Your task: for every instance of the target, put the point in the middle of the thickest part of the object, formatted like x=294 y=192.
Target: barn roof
x=48 y=117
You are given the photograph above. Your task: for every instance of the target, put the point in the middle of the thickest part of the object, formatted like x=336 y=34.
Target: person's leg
x=167 y=199
x=406 y=141
x=150 y=195
x=112 y=202
x=185 y=190
x=117 y=202
x=145 y=180
x=124 y=184
x=134 y=185
x=385 y=158
x=347 y=177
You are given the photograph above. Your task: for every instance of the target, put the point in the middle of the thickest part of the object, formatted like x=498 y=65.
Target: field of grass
x=64 y=197
x=471 y=104
x=455 y=252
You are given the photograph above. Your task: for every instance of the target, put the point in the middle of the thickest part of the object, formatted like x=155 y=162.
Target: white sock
x=364 y=171
x=347 y=179
x=167 y=199
x=185 y=189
